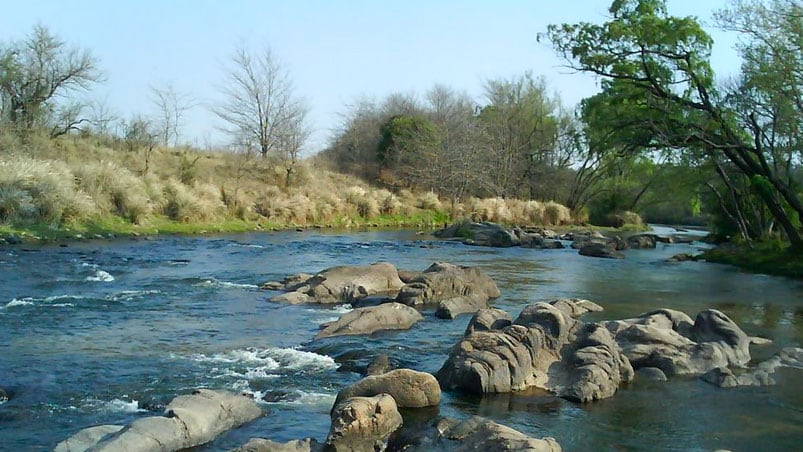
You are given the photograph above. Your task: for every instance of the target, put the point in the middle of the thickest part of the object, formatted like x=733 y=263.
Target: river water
x=106 y=332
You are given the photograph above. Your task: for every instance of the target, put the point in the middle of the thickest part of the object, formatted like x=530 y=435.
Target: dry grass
x=75 y=179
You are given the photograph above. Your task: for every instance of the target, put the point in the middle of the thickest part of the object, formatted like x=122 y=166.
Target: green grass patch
x=772 y=258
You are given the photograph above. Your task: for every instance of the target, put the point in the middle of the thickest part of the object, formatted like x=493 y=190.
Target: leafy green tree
x=659 y=65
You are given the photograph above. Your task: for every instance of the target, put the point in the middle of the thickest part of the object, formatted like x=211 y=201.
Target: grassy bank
x=772 y=258
x=52 y=189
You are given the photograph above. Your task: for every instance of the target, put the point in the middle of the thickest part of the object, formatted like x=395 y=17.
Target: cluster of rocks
x=367 y=416
x=547 y=346
x=450 y=289
x=591 y=243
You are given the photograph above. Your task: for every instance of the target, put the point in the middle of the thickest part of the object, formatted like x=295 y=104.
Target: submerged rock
x=266 y=445
x=378 y=366
x=409 y=388
x=342 y=284
x=3 y=395
x=442 y=281
x=388 y=316
x=363 y=423
x=188 y=421
x=474 y=433
x=760 y=375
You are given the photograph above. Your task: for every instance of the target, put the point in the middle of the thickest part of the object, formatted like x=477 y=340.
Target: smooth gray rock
x=363 y=423
x=409 y=388
x=388 y=316
x=453 y=307
x=86 y=438
x=442 y=281
x=188 y=421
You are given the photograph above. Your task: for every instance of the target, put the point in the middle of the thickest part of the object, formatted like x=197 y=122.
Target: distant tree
x=102 y=117
x=37 y=70
x=140 y=134
x=171 y=107
x=259 y=101
x=520 y=125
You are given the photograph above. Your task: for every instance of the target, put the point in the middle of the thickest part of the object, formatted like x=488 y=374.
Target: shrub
x=556 y=214
x=429 y=201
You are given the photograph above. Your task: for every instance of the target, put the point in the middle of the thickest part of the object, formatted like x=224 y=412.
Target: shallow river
x=105 y=332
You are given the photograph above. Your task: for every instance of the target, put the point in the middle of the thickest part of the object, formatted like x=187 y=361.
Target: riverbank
x=772 y=258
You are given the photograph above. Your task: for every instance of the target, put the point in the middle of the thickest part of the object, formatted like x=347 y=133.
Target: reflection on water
x=183 y=312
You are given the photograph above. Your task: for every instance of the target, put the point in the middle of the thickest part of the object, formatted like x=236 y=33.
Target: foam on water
x=129 y=295
x=100 y=276
x=115 y=405
x=18 y=302
x=225 y=284
x=245 y=245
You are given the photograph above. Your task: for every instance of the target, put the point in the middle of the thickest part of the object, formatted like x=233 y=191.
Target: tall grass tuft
x=556 y=214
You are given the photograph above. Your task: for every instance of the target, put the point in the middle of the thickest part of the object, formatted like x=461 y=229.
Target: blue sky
x=336 y=50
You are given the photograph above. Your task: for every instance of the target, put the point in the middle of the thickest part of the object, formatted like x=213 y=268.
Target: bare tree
x=171 y=106
x=37 y=70
x=259 y=101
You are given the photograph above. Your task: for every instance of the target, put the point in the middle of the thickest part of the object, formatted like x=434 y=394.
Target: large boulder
x=548 y=347
x=475 y=434
x=453 y=307
x=603 y=250
x=188 y=421
x=442 y=281
x=409 y=388
x=480 y=234
x=363 y=423
x=388 y=316
x=342 y=284
x=668 y=340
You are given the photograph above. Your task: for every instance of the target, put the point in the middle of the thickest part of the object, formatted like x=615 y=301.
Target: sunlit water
x=106 y=332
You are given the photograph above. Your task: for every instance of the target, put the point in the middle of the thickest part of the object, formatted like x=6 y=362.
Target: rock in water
x=343 y=284
x=363 y=423
x=475 y=434
x=488 y=320
x=600 y=250
x=452 y=307
x=266 y=445
x=388 y=316
x=188 y=421
x=409 y=388
x=442 y=281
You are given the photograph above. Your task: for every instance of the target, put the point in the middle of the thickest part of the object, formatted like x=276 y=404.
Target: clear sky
x=335 y=50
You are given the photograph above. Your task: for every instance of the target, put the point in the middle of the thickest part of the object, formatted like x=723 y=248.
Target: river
x=103 y=332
